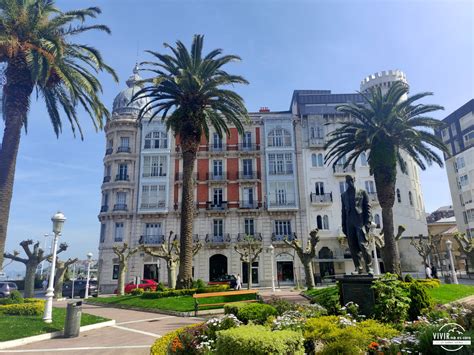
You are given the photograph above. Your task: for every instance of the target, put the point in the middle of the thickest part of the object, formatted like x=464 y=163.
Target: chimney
x=264 y=109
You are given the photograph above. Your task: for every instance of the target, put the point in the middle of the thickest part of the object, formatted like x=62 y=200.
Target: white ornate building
x=272 y=182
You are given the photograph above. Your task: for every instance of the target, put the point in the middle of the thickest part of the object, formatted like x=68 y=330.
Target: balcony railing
x=281 y=172
x=281 y=237
x=256 y=237
x=124 y=150
x=249 y=205
x=153 y=206
x=211 y=206
x=151 y=239
x=281 y=203
x=317 y=142
x=217 y=147
x=122 y=177
x=217 y=176
x=104 y=208
x=249 y=147
x=249 y=175
x=373 y=197
x=120 y=207
x=340 y=169
x=320 y=198
x=218 y=239
x=109 y=151
x=106 y=178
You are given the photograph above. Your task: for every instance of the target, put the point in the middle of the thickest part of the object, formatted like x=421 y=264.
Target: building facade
x=458 y=135
x=272 y=183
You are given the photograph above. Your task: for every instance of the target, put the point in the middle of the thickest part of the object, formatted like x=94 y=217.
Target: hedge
x=160 y=346
x=258 y=340
x=184 y=292
x=29 y=308
x=255 y=312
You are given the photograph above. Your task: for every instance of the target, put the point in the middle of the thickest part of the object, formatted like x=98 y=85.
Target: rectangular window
x=115 y=272
x=280 y=164
x=319 y=188
x=124 y=142
x=118 y=237
x=370 y=187
x=248 y=168
x=469 y=139
x=247 y=140
x=249 y=226
x=282 y=228
x=218 y=227
x=460 y=163
x=155 y=165
x=216 y=142
x=248 y=196
x=282 y=193
x=153 y=196
x=453 y=129
x=102 y=232
x=153 y=229
x=464 y=180
x=217 y=197
x=217 y=168
x=123 y=172
x=121 y=198
x=342 y=186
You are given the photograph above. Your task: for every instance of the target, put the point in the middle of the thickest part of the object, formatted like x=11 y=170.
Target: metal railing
x=218 y=239
x=320 y=198
x=317 y=142
x=104 y=208
x=241 y=237
x=249 y=175
x=248 y=147
x=122 y=177
x=124 y=150
x=211 y=206
x=152 y=239
x=217 y=176
x=281 y=203
x=249 y=205
x=217 y=148
x=120 y=207
x=109 y=151
x=106 y=178
x=340 y=169
x=281 y=237
x=151 y=206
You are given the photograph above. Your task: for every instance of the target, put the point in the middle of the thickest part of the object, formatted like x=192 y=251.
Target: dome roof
x=122 y=104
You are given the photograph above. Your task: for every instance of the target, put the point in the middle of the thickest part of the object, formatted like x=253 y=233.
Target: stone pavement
x=133 y=333
x=285 y=293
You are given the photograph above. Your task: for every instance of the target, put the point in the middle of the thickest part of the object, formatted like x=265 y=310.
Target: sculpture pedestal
x=357 y=289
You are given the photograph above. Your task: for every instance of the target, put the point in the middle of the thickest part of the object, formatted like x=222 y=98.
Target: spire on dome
x=134 y=78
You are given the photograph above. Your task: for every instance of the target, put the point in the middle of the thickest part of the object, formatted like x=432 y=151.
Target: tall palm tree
x=36 y=47
x=186 y=92
x=386 y=125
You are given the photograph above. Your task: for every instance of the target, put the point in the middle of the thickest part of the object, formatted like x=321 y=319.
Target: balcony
x=124 y=150
x=216 y=176
x=211 y=206
x=249 y=205
x=153 y=206
x=279 y=238
x=106 y=178
x=120 y=207
x=109 y=151
x=122 y=177
x=339 y=169
x=104 y=208
x=249 y=175
x=217 y=147
x=320 y=199
x=281 y=204
x=151 y=240
x=256 y=237
x=317 y=142
x=248 y=147
x=373 y=197
x=218 y=239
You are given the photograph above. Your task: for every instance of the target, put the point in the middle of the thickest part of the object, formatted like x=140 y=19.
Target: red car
x=147 y=285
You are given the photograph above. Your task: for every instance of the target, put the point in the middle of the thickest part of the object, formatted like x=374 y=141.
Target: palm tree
x=386 y=125
x=36 y=47
x=187 y=92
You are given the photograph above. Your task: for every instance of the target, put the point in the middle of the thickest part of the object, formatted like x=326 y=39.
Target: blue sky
x=285 y=45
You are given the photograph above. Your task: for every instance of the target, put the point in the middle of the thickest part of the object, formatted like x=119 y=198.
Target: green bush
x=16 y=296
x=258 y=340
x=234 y=308
x=409 y=278
x=213 y=288
x=420 y=300
x=256 y=312
x=24 y=309
x=169 y=293
x=160 y=346
x=199 y=284
x=281 y=305
x=430 y=283
x=160 y=287
x=137 y=291
x=391 y=301
x=342 y=347
x=327 y=297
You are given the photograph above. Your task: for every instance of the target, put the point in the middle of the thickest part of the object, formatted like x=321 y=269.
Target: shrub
x=16 y=296
x=199 y=284
x=313 y=310
x=160 y=287
x=233 y=308
x=327 y=297
x=258 y=340
x=420 y=300
x=280 y=304
x=391 y=301
x=24 y=309
x=256 y=312
x=342 y=347
x=137 y=291
x=169 y=293
x=213 y=288
x=160 y=346
x=187 y=341
x=409 y=278
x=430 y=283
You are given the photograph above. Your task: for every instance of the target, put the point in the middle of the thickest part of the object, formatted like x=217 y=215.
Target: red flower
x=373 y=345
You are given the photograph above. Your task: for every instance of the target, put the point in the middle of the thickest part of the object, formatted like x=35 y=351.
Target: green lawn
x=15 y=327
x=178 y=303
x=449 y=292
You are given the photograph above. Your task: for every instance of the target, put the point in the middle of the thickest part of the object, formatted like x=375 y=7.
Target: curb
x=35 y=338
x=160 y=311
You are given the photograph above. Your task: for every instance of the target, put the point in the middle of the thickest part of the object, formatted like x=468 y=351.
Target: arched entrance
x=217 y=267
x=326 y=265
x=285 y=274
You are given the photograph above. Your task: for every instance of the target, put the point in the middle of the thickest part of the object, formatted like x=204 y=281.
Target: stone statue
x=356 y=222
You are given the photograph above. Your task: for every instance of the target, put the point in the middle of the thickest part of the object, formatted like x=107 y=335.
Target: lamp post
x=272 y=256
x=58 y=222
x=44 y=249
x=89 y=259
x=449 y=245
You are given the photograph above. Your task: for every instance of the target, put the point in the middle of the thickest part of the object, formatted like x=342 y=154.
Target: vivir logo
x=451 y=337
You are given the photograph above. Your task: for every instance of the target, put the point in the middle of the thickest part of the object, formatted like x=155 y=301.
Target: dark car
x=6 y=288
x=80 y=288
x=230 y=280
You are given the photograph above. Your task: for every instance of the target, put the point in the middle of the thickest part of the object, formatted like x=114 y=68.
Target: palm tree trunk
x=390 y=252
x=16 y=91
x=187 y=216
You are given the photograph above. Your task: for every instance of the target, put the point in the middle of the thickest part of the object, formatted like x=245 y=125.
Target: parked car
x=80 y=288
x=230 y=280
x=146 y=284
x=6 y=288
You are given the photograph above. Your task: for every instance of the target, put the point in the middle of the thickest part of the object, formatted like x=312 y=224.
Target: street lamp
x=44 y=250
x=271 y=248
x=58 y=222
x=449 y=245
x=89 y=260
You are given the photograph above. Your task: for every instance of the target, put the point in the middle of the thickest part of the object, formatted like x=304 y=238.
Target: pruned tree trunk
x=61 y=268
x=308 y=272
x=16 y=93
x=172 y=274
x=187 y=216
x=249 y=272
x=30 y=280
x=124 y=253
x=121 y=278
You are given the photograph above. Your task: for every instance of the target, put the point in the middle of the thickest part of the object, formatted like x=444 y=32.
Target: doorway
x=326 y=268
x=245 y=273
x=285 y=272
x=150 y=272
x=217 y=267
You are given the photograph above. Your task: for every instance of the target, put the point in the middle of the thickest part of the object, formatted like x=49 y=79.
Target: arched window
x=314 y=160
x=377 y=220
x=279 y=137
x=363 y=159
x=399 y=196
x=156 y=140
x=326 y=222
x=319 y=222
x=410 y=198
x=320 y=160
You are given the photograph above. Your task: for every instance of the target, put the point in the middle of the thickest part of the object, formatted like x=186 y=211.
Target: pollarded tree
x=385 y=126
x=61 y=268
x=33 y=259
x=123 y=253
x=37 y=47
x=249 y=250
x=188 y=92
x=467 y=246
x=306 y=255
x=169 y=251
